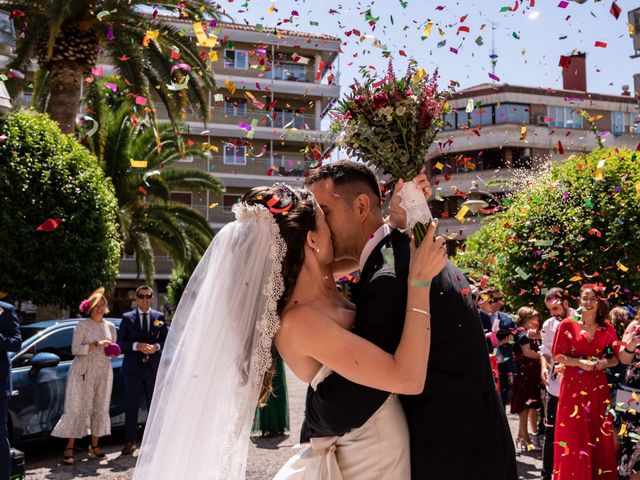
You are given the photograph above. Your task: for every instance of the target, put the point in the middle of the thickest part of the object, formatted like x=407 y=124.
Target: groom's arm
x=338 y=404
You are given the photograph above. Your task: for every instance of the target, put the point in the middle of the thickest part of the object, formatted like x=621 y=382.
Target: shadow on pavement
x=269 y=443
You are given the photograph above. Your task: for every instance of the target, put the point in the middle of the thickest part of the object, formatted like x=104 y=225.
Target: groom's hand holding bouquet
x=390 y=124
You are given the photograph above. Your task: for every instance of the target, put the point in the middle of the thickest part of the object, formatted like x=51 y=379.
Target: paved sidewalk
x=266 y=455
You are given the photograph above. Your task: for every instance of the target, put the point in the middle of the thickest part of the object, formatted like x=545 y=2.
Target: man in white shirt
x=558 y=306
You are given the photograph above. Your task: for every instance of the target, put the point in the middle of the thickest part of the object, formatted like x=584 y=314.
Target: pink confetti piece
x=244 y=126
x=453 y=50
x=98 y=72
x=112 y=86
x=140 y=100
x=494 y=77
x=181 y=66
x=563 y=4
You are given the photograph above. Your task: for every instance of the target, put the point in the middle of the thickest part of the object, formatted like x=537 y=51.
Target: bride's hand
x=430 y=257
x=397 y=216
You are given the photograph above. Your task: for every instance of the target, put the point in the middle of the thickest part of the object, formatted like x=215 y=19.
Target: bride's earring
x=317 y=250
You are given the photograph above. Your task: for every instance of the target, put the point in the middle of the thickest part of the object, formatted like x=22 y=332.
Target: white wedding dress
x=378 y=450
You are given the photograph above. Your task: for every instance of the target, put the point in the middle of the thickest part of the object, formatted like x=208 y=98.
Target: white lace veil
x=216 y=354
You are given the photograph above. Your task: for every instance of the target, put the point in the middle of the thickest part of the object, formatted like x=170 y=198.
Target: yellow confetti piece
x=462 y=212
x=632 y=28
x=138 y=163
x=213 y=55
x=203 y=39
x=638 y=187
x=230 y=86
x=440 y=166
x=575 y=411
x=152 y=34
x=621 y=266
x=441 y=32
x=213 y=205
x=272 y=8
x=576 y=278
x=600 y=170
x=427 y=29
x=523 y=132
x=623 y=430
x=419 y=75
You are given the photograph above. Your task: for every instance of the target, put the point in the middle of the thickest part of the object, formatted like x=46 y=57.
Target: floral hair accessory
x=84 y=305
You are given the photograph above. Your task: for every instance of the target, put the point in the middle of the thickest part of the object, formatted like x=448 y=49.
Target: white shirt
x=375 y=239
x=548 y=333
x=140 y=313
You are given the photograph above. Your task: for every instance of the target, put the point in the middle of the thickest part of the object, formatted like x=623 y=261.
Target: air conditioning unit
x=540 y=120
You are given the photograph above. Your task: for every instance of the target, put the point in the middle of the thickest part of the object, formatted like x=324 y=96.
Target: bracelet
x=632 y=352
x=417 y=310
x=420 y=283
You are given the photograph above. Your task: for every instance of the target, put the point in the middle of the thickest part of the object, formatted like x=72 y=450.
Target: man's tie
x=145 y=324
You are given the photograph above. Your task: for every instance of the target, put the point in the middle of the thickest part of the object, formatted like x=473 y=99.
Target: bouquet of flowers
x=390 y=123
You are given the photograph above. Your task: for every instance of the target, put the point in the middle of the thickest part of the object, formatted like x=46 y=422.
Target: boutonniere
x=158 y=323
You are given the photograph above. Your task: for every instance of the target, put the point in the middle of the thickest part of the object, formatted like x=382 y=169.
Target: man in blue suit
x=141 y=337
x=10 y=341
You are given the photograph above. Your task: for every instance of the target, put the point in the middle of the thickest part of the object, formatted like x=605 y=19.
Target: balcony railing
x=163 y=264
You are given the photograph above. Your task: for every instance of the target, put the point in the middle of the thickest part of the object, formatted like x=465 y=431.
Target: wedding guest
x=526 y=400
x=141 y=337
x=629 y=355
x=558 y=305
x=90 y=379
x=504 y=326
x=584 y=442
x=272 y=419
x=620 y=319
x=10 y=341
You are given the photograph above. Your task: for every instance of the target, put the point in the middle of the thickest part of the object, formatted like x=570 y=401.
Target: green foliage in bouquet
x=576 y=224
x=391 y=122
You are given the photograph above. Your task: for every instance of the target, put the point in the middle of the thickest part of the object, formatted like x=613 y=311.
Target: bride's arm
x=313 y=334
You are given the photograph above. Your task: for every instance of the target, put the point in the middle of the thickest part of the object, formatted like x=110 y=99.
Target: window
x=289 y=71
x=278 y=160
x=58 y=342
x=450 y=121
x=288 y=118
x=512 y=113
x=229 y=201
x=481 y=116
x=237 y=108
x=237 y=59
x=182 y=197
x=564 y=117
x=621 y=122
x=235 y=155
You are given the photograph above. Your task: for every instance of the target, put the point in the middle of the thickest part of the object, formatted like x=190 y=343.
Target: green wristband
x=420 y=283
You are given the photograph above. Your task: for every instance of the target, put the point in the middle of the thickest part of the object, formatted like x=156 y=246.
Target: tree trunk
x=65 y=84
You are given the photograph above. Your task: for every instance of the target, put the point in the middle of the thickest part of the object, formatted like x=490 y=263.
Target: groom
x=457 y=426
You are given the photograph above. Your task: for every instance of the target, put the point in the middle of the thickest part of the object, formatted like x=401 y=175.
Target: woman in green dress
x=272 y=419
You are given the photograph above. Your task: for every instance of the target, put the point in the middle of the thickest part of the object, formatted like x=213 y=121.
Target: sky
x=528 y=40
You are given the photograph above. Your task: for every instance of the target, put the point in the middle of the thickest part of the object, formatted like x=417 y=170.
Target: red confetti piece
x=462 y=28
x=615 y=10
x=601 y=44
x=50 y=224
x=560 y=148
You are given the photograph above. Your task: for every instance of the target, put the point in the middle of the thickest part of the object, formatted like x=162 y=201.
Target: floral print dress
x=630 y=426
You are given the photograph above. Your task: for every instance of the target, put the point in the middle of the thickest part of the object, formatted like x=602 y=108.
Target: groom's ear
x=362 y=206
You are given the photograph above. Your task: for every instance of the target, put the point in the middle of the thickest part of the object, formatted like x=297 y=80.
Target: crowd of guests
x=572 y=379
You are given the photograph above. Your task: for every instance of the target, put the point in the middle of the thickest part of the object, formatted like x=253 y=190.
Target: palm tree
x=147 y=215
x=66 y=36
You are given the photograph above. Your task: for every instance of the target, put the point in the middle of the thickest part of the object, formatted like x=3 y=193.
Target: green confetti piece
x=542 y=243
x=516 y=36
x=589 y=203
x=479 y=41
x=562 y=444
x=524 y=275
x=313 y=24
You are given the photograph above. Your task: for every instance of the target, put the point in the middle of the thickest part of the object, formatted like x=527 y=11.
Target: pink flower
x=84 y=306
x=380 y=100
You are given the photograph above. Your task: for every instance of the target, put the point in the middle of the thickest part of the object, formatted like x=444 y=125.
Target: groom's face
x=340 y=217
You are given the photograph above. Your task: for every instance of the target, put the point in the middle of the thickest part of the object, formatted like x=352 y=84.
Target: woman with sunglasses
x=141 y=337
x=584 y=440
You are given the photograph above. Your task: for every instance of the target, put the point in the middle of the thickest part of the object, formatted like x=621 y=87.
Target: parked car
x=39 y=375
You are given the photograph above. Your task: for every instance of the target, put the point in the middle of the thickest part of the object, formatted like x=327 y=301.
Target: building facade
x=498 y=132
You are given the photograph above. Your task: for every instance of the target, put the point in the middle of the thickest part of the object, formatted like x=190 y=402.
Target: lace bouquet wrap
x=390 y=124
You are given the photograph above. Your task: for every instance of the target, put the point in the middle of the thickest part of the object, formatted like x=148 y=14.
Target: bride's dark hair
x=295 y=213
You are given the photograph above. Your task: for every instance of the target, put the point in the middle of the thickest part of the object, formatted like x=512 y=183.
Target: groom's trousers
x=135 y=386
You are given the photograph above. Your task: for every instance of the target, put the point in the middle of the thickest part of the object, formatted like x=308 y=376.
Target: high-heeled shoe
x=523 y=445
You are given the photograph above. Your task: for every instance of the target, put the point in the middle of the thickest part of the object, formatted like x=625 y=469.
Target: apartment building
x=273 y=88
x=496 y=132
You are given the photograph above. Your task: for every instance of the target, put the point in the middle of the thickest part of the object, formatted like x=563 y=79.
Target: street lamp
x=479 y=199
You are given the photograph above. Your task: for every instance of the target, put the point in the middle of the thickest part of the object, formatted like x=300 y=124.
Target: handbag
x=626 y=399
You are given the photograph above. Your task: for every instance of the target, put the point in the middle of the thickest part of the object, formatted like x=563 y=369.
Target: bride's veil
x=215 y=356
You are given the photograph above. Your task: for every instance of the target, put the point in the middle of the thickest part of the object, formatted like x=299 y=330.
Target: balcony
x=128 y=269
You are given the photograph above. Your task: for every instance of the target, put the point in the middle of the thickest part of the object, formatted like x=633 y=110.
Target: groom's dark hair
x=356 y=177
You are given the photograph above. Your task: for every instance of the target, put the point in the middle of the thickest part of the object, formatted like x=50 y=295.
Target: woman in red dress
x=584 y=443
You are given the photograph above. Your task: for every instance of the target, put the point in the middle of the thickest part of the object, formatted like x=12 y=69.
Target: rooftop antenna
x=493 y=56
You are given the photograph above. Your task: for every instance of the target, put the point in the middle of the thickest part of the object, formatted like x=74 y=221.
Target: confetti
x=621 y=266
x=601 y=44
x=138 y=163
x=494 y=77
x=461 y=213
x=50 y=225
x=600 y=170
x=563 y=4
x=427 y=30
x=615 y=10
x=229 y=85
x=524 y=275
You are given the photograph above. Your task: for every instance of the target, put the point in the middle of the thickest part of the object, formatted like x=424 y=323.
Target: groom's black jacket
x=457 y=425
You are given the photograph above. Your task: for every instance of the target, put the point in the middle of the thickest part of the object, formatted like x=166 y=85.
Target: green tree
x=45 y=174
x=147 y=216
x=65 y=37
x=576 y=224
x=177 y=283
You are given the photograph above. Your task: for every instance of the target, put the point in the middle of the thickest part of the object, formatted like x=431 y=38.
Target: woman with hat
x=88 y=394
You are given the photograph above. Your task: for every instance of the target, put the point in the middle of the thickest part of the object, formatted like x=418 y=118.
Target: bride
x=267 y=273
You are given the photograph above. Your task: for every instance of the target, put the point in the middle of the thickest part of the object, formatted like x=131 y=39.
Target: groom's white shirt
x=375 y=239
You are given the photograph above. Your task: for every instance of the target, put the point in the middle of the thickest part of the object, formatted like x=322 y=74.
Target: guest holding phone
x=629 y=354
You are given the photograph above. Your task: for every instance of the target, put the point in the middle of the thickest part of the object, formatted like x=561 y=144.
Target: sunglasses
x=142 y=295
x=497 y=299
